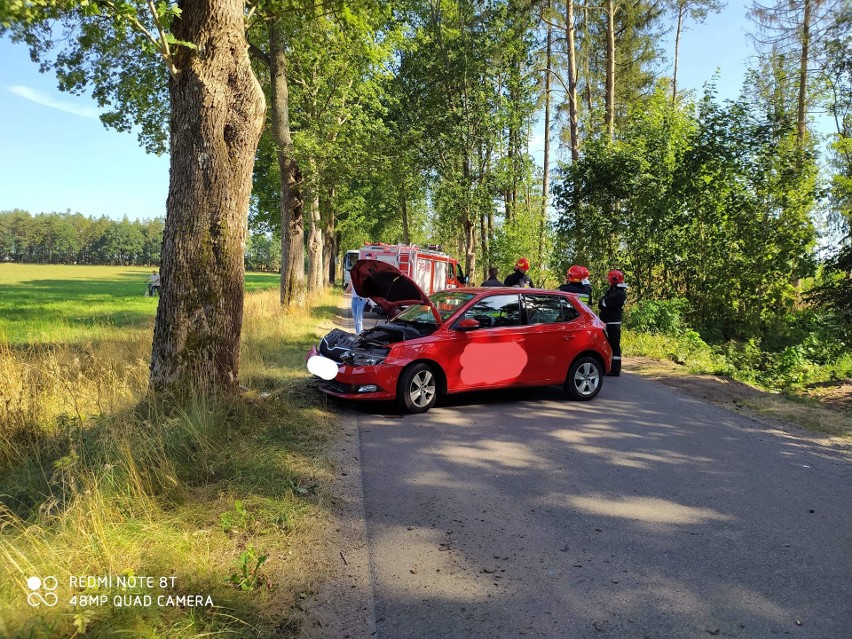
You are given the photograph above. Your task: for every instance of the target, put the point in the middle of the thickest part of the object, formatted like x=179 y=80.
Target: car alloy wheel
x=585 y=378
x=418 y=389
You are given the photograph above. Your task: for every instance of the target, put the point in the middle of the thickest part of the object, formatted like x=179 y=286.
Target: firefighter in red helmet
x=611 y=308
x=577 y=281
x=519 y=276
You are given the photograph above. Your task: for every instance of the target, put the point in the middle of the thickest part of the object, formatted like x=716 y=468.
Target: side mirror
x=468 y=324
x=462 y=279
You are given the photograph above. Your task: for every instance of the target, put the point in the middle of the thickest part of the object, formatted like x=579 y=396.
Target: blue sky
x=56 y=155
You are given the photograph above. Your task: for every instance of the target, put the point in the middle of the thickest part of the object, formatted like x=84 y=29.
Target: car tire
x=417 y=389
x=585 y=378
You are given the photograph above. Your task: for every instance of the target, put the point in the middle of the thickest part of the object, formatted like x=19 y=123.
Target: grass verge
x=223 y=504
x=691 y=366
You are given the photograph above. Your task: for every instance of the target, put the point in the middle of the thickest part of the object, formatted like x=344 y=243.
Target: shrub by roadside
x=782 y=380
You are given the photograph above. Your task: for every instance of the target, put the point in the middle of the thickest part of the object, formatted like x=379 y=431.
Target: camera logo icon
x=42 y=591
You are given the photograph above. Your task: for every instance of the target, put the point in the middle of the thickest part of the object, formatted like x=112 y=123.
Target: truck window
x=349 y=260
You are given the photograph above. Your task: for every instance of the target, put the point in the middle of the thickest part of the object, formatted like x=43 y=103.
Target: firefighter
x=492 y=280
x=611 y=306
x=577 y=281
x=519 y=276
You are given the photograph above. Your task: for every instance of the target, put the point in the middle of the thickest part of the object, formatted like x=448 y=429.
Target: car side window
x=543 y=309
x=496 y=310
x=548 y=309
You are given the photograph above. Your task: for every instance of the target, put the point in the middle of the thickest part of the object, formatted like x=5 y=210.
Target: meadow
x=223 y=498
x=48 y=303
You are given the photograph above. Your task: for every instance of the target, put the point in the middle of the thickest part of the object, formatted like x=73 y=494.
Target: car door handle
x=568 y=338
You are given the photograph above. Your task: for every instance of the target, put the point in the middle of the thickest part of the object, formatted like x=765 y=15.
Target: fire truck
x=431 y=269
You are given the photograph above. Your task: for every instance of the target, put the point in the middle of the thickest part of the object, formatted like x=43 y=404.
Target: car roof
x=509 y=289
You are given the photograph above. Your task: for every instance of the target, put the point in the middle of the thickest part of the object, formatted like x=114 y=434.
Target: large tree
x=195 y=51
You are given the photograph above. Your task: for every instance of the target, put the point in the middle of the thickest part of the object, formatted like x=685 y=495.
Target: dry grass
x=93 y=483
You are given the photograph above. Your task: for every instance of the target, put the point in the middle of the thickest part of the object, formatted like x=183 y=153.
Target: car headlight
x=362 y=359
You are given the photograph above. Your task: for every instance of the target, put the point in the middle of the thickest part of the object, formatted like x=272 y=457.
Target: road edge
x=342 y=606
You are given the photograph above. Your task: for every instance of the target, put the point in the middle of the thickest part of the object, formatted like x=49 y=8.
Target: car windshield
x=447 y=303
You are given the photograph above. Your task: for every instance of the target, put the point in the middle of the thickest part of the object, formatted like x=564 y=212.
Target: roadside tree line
x=338 y=122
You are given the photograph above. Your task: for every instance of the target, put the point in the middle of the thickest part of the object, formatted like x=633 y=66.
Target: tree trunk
x=572 y=80
x=406 y=229
x=610 y=68
x=291 y=205
x=468 y=224
x=315 y=269
x=587 y=74
x=545 y=176
x=681 y=11
x=803 y=76
x=217 y=114
x=329 y=252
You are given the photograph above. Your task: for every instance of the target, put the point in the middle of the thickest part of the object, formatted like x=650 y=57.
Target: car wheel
x=417 y=390
x=585 y=378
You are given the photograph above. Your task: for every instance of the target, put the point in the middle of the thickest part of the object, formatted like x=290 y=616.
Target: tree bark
x=315 y=268
x=545 y=177
x=681 y=11
x=217 y=114
x=329 y=252
x=468 y=223
x=572 y=80
x=292 y=220
x=803 y=76
x=610 y=68
x=406 y=229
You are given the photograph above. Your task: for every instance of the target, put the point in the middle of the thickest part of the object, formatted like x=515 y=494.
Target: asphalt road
x=643 y=513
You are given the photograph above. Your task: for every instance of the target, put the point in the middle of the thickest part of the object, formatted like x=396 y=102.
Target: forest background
x=411 y=122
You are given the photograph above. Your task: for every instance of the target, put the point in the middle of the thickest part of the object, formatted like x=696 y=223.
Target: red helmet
x=615 y=277
x=523 y=264
x=576 y=274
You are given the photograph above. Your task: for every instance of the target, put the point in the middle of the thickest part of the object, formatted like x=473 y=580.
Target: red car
x=461 y=339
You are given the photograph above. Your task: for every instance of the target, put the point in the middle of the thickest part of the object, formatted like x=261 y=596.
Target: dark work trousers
x=613 y=335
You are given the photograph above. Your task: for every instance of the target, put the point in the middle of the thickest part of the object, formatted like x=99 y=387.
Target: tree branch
x=259 y=53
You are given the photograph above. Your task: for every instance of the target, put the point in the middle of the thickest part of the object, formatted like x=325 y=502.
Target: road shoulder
x=819 y=422
x=342 y=606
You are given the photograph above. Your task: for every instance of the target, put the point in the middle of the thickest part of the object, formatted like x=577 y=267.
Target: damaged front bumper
x=361 y=371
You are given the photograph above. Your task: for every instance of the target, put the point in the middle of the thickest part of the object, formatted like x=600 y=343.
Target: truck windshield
x=447 y=303
x=349 y=260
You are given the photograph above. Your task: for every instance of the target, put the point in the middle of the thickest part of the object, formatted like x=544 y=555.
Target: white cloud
x=40 y=97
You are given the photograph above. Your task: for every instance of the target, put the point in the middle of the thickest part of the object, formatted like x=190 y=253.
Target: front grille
x=338 y=387
x=336 y=344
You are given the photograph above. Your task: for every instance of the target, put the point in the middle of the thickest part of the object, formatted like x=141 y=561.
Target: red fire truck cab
x=431 y=269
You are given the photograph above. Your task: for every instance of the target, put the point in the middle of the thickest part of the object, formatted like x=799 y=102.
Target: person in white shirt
x=154 y=284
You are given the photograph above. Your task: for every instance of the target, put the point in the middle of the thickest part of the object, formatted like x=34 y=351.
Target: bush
x=657 y=316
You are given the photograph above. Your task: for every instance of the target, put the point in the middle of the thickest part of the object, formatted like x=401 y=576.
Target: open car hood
x=388 y=287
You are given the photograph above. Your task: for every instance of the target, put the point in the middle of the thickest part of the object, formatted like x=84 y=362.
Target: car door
x=493 y=355
x=551 y=335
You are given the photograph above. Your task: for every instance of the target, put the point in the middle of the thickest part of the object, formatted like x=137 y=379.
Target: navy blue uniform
x=583 y=291
x=611 y=306
x=519 y=278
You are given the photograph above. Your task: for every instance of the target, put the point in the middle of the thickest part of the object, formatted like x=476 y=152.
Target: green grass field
x=228 y=495
x=45 y=303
